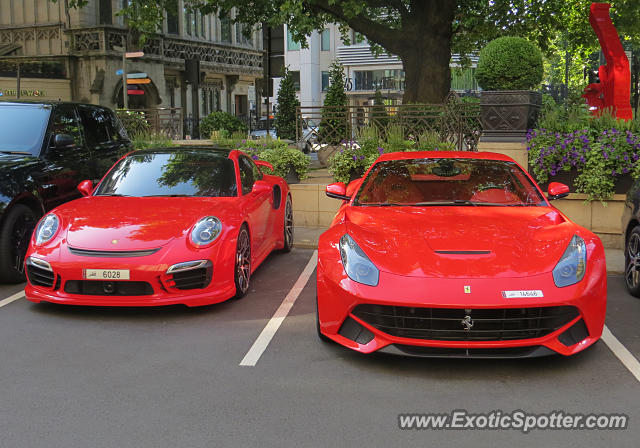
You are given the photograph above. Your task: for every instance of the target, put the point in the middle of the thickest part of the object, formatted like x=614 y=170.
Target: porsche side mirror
x=85 y=187
x=557 y=190
x=261 y=186
x=338 y=191
x=262 y=163
x=63 y=141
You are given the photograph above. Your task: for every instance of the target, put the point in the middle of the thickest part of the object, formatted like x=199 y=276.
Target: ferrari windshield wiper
x=167 y=196
x=455 y=202
x=115 y=195
x=22 y=153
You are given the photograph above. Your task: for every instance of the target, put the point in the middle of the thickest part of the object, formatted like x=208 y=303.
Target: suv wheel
x=15 y=235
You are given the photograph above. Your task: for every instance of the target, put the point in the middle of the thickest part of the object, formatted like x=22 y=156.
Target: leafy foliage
x=221 y=121
x=285 y=121
x=151 y=140
x=283 y=158
x=509 y=63
x=134 y=122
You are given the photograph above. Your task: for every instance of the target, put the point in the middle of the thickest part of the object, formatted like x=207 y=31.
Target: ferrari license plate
x=106 y=274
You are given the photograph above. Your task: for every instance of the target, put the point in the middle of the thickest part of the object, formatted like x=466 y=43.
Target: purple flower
x=244 y=141
x=380 y=150
x=254 y=157
x=354 y=158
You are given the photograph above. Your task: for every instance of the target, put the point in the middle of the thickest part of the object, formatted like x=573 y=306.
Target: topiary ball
x=509 y=63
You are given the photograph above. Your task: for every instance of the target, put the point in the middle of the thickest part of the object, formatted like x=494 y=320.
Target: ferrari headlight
x=573 y=264
x=206 y=231
x=47 y=228
x=356 y=263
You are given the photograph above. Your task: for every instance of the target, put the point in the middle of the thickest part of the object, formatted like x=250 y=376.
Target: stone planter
x=508 y=113
x=292 y=176
x=622 y=183
x=324 y=154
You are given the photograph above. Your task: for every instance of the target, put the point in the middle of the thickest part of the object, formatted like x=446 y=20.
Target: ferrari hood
x=117 y=223
x=462 y=242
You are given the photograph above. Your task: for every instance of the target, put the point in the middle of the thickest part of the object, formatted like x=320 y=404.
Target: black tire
x=288 y=226
x=15 y=235
x=632 y=262
x=322 y=337
x=242 y=271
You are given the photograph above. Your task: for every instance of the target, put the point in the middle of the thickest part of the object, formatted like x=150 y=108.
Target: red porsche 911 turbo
x=164 y=226
x=457 y=254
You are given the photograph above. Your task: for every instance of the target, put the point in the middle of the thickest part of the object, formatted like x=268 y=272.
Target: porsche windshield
x=447 y=181
x=23 y=127
x=171 y=173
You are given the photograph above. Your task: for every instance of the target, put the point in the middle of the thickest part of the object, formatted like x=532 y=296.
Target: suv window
x=65 y=121
x=247 y=174
x=116 y=128
x=95 y=125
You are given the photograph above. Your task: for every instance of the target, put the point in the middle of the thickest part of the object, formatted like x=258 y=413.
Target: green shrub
x=509 y=63
x=282 y=157
x=134 y=122
x=285 y=121
x=151 y=140
x=431 y=141
x=333 y=124
x=221 y=121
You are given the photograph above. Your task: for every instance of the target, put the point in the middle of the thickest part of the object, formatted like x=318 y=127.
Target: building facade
x=365 y=73
x=197 y=64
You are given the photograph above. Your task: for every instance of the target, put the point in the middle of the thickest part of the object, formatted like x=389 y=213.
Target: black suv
x=46 y=149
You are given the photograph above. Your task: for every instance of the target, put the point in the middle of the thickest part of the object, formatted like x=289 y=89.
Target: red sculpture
x=614 y=90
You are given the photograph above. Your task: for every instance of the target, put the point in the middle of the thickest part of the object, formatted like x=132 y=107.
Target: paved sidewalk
x=307 y=238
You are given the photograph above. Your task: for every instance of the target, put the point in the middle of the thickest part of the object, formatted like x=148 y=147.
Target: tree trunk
x=427 y=72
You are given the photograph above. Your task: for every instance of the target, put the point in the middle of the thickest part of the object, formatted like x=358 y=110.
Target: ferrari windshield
x=447 y=181
x=171 y=173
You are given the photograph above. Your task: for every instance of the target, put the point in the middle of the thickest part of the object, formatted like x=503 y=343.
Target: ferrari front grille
x=107 y=288
x=112 y=253
x=459 y=324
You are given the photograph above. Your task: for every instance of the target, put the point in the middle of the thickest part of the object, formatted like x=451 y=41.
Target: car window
x=116 y=129
x=65 y=121
x=247 y=176
x=95 y=122
x=27 y=122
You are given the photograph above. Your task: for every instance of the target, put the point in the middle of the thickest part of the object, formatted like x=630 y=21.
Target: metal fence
x=456 y=121
x=167 y=121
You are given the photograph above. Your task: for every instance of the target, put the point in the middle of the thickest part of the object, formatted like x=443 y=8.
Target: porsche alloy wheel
x=288 y=226
x=632 y=262
x=243 y=263
x=14 y=241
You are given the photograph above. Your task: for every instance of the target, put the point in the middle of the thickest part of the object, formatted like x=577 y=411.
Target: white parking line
x=12 y=298
x=621 y=352
x=260 y=345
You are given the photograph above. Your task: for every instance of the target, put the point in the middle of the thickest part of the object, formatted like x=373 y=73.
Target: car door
x=102 y=139
x=63 y=167
x=257 y=205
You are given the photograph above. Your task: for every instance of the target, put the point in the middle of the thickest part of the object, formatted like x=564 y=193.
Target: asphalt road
x=170 y=377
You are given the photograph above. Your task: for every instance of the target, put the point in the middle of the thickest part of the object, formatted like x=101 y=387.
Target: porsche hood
x=462 y=242
x=117 y=223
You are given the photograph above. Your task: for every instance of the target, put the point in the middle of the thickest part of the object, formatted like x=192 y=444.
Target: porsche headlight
x=206 y=231
x=573 y=264
x=356 y=263
x=47 y=228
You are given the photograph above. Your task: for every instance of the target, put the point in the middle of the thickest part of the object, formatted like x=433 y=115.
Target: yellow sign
x=23 y=92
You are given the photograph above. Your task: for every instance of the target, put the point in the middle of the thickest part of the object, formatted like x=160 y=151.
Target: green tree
x=333 y=124
x=422 y=33
x=285 y=121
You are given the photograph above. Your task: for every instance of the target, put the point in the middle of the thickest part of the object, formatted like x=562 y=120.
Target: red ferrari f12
x=457 y=254
x=164 y=226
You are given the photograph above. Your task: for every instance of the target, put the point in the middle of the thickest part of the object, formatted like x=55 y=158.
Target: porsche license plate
x=106 y=274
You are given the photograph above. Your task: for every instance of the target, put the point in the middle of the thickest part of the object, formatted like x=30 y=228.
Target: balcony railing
x=224 y=58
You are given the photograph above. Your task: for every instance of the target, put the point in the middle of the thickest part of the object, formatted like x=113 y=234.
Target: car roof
x=45 y=103
x=210 y=150
x=445 y=155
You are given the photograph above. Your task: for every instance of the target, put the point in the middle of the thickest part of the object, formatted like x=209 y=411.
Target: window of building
x=172 y=20
x=106 y=12
x=295 y=75
x=225 y=29
x=357 y=38
x=325 y=81
x=241 y=39
x=292 y=45
x=325 y=40
x=392 y=79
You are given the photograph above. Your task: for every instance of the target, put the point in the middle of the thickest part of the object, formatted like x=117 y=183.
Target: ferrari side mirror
x=338 y=191
x=557 y=190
